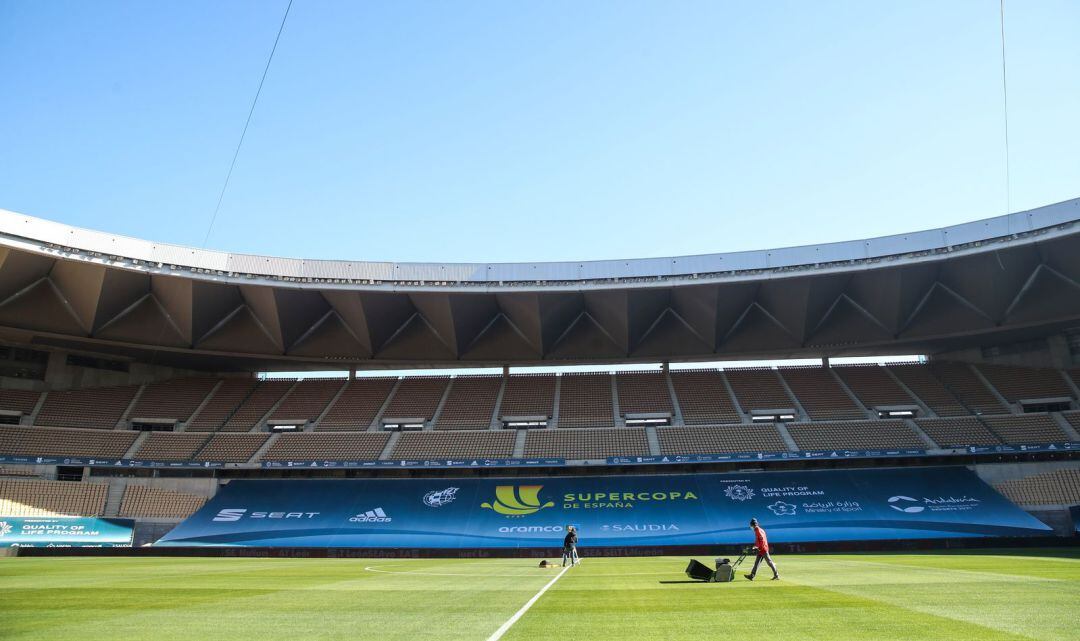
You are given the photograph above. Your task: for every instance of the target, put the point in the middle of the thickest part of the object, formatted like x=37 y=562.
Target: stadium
x=197 y=443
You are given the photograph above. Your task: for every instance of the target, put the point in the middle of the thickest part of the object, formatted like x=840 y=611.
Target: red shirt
x=760 y=541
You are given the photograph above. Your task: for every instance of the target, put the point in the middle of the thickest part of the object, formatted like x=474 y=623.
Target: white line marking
x=525 y=608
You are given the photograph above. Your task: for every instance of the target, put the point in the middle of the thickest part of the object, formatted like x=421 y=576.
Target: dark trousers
x=768 y=560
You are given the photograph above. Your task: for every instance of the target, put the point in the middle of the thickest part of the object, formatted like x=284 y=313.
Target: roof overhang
x=991 y=281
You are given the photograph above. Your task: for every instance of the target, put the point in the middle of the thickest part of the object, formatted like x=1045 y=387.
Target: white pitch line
x=525 y=608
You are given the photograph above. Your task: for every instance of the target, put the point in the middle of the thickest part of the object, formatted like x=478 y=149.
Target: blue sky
x=498 y=131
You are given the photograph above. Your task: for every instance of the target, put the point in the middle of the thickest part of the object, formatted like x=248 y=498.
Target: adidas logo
x=371 y=516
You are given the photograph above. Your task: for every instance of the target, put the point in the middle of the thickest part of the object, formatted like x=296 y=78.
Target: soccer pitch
x=1011 y=595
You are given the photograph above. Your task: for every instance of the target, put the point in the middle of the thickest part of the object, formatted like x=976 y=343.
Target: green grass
x=974 y=597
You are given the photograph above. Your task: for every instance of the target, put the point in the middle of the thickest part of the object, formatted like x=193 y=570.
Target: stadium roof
x=992 y=281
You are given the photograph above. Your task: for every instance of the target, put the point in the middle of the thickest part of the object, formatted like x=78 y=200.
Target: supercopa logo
x=439 y=498
x=781 y=508
x=517 y=501
x=5 y=528
x=738 y=493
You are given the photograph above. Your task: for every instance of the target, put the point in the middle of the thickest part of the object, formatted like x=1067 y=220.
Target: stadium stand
x=1060 y=487
x=257 y=405
x=417 y=397
x=307 y=400
x=17 y=470
x=17 y=400
x=965 y=386
x=328 y=446
x=957 y=431
x=176 y=399
x=222 y=404
x=168 y=446
x=141 y=502
x=95 y=408
x=447 y=445
x=1026 y=429
x=529 y=395
x=35 y=497
x=819 y=394
x=41 y=441
x=231 y=448
x=862 y=435
x=587 y=443
x=873 y=386
x=1073 y=418
x=585 y=401
x=643 y=392
x=703 y=397
x=758 y=389
x=922 y=382
x=470 y=403
x=1026 y=383
x=358 y=405
x=720 y=439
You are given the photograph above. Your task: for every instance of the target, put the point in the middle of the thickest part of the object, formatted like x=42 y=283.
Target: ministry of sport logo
x=517 y=501
x=378 y=515
x=439 y=498
x=738 y=493
x=5 y=528
x=781 y=508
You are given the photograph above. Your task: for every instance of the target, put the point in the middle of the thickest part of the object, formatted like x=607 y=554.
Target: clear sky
x=498 y=131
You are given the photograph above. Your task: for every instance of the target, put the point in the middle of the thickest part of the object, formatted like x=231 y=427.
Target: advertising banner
x=64 y=531
x=655 y=510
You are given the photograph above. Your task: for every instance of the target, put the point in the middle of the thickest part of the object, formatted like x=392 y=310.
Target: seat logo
x=517 y=501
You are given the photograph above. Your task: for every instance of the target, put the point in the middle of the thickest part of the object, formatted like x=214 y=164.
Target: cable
x=236 y=153
x=1005 y=94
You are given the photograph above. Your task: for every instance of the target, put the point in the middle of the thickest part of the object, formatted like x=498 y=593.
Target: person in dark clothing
x=761 y=544
x=569 y=546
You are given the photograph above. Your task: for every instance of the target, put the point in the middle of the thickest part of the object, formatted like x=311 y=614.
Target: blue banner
x=29 y=532
x=840 y=505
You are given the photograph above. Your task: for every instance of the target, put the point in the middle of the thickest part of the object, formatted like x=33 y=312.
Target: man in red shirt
x=761 y=544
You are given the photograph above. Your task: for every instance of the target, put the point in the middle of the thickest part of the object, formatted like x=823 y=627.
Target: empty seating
x=758 y=389
x=819 y=394
x=231 y=448
x=528 y=395
x=1073 y=418
x=176 y=399
x=417 y=397
x=586 y=444
x=1026 y=383
x=307 y=400
x=222 y=404
x=1060 y=487
x=922 y=382
x=873 y=386
x=169 y=446
x=643 y=393
x=703 y=397
x=1026 y=429
x=585 y=401
x=257 y=405
x=957 y=431
x=96 y=408
x=720 y=439
x=141 y=502
x=470 y=403
x=962 y=382
x=18 y=400
x=41 y=441
x=358 y=405
x=854 y=435
x=329 y=446
x=33 y=497
x=453 y=445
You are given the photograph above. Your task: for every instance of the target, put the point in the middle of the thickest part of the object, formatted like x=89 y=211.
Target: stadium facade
x=129 y=368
